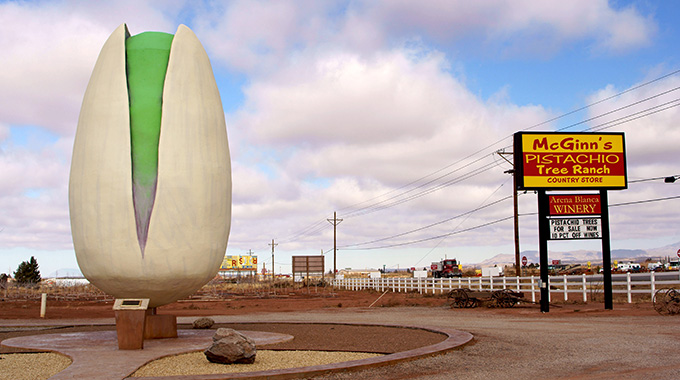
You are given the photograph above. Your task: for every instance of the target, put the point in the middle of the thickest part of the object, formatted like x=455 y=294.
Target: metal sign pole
x=606 y=252
x=543 y=233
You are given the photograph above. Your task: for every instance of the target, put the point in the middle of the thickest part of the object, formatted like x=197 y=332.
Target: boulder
x=203 y=323
x=229 y=347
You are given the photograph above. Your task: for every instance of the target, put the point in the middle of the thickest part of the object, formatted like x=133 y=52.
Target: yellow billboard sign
x=239 y=263
x=545 y=160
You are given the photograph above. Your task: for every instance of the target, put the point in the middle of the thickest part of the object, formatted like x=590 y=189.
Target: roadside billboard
x=308 y=264
x=239 y=263
x=554 y=160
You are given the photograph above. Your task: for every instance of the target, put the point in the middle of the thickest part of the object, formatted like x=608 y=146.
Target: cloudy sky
x=386 y=112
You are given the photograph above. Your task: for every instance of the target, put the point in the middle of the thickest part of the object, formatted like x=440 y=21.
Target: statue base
x=135 y=322
x=159 y=326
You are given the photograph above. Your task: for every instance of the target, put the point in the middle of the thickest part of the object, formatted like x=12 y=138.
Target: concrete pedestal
x=160 y=326
x=130 y=329
x=135 y=322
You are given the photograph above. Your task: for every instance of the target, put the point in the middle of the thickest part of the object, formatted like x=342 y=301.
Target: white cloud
x=384 y=117
x=627 y=30
x=344 y=102
x=342 y=97
x=651 y=147
x=49 y=50
x=34 y=198
x=519 y=26
x=355 y=128
x=256 y=36
x=652 y=139
x=252 y=35
x=4 y=132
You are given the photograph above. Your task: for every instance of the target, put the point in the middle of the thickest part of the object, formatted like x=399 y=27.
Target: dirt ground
x=284 y=301
x=298 y=300
x=574 y=340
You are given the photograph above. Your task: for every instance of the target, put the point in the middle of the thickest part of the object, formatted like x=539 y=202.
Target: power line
x=640 y=114
x=467 y=214
x=490 y=223
x=604 y=126
x=644 y=201
x=605 y=99
x=501 y=220
x=653 y=179
x=435 y=237
x=316 y=227
x=459 y=224
x=311 y=229
x=536 y=126
x=432 y=224
x=628 y=118
x=624 y=203
x=413 y=189
x=440 y=186
x=623 y=107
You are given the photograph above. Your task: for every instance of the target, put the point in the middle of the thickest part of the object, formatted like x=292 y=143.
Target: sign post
x=606 y=253
x=543 y=233
x=549 y=161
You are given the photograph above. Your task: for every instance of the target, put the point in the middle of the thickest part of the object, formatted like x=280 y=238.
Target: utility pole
x=273 y=245
x=250 y=253
x=335 y=221
x=518 y=272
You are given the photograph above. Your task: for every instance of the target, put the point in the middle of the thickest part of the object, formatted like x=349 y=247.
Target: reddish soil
x=299 y=300
x=293 y=300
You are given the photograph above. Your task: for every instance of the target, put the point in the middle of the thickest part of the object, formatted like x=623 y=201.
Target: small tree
x=27 y=273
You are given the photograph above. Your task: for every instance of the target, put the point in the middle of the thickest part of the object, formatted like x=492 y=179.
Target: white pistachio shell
x=191 y=217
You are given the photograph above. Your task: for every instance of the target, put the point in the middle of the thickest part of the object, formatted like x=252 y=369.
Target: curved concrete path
x=96 y=355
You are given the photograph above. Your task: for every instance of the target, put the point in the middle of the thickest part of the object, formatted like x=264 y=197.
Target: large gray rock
x=203 y=323
x=229 y=347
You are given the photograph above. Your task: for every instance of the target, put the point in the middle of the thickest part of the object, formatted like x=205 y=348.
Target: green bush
x=28 y=273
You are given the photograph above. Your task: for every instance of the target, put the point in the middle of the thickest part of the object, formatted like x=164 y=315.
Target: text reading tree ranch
x=571 y=161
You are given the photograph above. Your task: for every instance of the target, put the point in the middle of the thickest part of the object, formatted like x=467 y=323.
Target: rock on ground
x=229 y=347
x=203 y=323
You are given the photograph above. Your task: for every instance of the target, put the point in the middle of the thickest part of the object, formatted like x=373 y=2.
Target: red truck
x=446 y=268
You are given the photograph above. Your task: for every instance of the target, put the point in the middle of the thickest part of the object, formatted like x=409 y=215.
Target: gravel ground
x=196 y=363
x=31 y=366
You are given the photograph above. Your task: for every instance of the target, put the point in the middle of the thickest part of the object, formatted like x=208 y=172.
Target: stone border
x=454 y=339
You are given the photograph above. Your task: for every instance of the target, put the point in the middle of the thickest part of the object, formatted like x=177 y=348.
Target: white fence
x=560 y=286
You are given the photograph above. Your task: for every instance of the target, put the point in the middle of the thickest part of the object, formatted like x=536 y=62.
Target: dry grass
x=59 y=292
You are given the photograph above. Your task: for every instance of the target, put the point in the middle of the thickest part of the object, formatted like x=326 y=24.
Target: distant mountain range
x=583 y=256
x=570 y=257
x=65 y=272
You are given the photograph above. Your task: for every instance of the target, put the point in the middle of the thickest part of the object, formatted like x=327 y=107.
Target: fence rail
x=585 y=285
